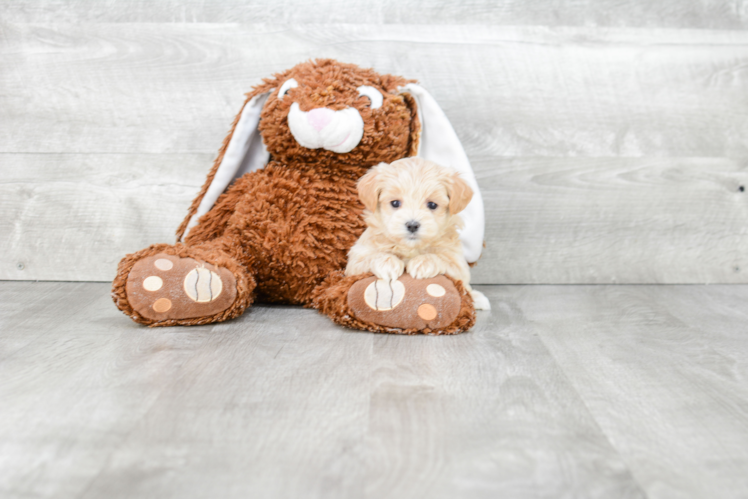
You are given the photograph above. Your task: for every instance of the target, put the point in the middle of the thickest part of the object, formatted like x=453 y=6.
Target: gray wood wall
x=609 y=137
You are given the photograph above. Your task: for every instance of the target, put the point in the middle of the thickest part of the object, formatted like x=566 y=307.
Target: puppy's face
x=414 y=200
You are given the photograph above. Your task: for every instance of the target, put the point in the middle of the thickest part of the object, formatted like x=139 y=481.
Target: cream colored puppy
x=411 y=217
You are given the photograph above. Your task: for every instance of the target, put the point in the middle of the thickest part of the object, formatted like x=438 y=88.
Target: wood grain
x=608 y=151
x=515 y=91
x=549 y=220
x=610 y=141
x=482 y=415
x=293 y=403
x=703 y=14
x=73 y=217
x=664 y=370
x=559 y=391
x=614 y=220
x=21 y=326
x=283 y=403
x=74 y=391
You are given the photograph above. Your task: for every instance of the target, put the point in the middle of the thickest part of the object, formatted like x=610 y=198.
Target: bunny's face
x=326 y=113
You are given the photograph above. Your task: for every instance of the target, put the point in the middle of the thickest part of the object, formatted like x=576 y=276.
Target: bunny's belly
x=297 y=226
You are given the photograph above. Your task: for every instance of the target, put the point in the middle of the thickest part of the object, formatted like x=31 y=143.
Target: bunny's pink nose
x=319 y=118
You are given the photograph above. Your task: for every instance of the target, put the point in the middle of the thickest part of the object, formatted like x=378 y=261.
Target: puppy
x=412 y=223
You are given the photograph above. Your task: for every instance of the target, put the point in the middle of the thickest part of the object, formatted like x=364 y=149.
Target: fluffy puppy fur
x=412 y=223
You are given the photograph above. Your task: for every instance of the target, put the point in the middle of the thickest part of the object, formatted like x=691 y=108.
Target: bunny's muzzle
x=337 y=131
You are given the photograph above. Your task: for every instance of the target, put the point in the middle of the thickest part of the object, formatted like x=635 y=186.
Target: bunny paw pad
x=162 y=287
x=405 y=303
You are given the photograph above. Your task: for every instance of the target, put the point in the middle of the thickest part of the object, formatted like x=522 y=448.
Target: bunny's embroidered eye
x=432 y=205
x=395 y=203
x=287 y=85
x=373 y=94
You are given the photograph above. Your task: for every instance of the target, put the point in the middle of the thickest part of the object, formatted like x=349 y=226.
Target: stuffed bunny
x=279 y=210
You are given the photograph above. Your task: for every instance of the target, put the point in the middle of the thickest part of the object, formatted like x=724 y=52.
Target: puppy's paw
x=480 y=301
x=387 y=267
x=425 y=266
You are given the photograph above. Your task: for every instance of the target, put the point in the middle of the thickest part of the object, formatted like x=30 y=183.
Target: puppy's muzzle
x=413 y=226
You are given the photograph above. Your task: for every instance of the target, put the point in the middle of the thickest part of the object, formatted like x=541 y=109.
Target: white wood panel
x=138 y=111
x=614 y=220
x=513 y=91
x=711 y=14
x=73 y=217
x=549 y=220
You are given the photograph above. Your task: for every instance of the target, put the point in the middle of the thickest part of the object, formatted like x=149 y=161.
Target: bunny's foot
x=175 y=286
x=408 y=306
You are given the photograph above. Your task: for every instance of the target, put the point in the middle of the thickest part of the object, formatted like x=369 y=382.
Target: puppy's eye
x=287 y=85
x=432 y=205
x=395 y=203
x=373 y=94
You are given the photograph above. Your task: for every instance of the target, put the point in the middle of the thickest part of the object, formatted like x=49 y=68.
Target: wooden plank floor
x=614 y=390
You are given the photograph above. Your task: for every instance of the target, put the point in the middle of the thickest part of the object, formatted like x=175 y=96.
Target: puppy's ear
x=460 y=194
x=368 y=189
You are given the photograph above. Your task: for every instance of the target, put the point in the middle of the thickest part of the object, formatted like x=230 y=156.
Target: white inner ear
x=287 y=85
x=373 y=94
x=440 y=144
x=245 y=153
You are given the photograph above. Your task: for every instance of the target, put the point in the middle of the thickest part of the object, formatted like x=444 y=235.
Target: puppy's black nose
x=413 y=226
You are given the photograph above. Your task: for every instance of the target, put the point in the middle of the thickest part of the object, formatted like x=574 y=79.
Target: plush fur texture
x=390 y=132
x=245 y=284
x=332 y=301
x=284 y=229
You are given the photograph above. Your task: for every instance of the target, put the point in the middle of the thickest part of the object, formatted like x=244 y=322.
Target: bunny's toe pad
x=405 y=303
x=162 y=287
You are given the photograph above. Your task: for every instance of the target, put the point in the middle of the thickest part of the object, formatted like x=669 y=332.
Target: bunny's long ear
x=242 y=151
x=439 y=143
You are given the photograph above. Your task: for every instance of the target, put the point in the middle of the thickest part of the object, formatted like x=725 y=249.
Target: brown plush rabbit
x=279 y=210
